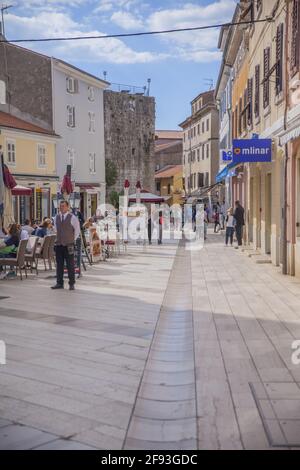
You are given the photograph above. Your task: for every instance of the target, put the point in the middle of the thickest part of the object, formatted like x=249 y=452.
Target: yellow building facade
x=258 y=108
x=169 y=184
x=30 y=154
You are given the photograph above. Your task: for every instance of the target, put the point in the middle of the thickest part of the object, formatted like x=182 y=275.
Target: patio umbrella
x=1 y=187
x=138 y=192
x=8 y=217
x=9 y=183
x=67 y=185
x=147 y=197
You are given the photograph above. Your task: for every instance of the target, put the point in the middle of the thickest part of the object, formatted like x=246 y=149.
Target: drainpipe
x=286 y=149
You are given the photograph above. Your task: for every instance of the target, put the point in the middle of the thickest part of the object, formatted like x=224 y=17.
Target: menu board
x=95 y=245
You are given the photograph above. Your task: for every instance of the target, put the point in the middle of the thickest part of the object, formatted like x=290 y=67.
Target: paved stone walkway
x=75 y=360
x=159 y=349
x=246 y=316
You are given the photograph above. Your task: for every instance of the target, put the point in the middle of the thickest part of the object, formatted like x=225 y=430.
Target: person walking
x=230 y=224
x=239 y=215
x=217 y=221
x=67 y=231
x=160 y=227
x=223 y=214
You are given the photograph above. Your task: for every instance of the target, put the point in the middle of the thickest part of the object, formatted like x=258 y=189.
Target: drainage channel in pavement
x=164 y=416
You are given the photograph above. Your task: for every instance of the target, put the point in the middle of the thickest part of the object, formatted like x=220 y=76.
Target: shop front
x=32 y=200
x=89 y=198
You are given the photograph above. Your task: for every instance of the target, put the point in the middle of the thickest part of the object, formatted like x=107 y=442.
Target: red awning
x=21 y=191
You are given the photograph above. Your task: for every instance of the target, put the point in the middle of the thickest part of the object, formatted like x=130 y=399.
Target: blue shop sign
x=252 y=150
x=227 y=156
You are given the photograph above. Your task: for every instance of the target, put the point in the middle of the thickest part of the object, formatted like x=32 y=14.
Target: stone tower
x=129 y=138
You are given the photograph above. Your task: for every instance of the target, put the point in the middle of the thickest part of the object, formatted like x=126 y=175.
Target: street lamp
x=3 y=9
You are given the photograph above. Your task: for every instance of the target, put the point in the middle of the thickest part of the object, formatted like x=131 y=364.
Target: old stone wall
x=28 y=80
x=129 y=138
x=171 y=155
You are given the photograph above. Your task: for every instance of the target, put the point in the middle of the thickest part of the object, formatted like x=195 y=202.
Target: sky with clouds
x=179 y=64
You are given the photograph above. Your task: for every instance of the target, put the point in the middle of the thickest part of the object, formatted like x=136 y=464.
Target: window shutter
x=267 y=56
x=279 y=59
x=257 y=91
x=250 y=102
x=295 y=36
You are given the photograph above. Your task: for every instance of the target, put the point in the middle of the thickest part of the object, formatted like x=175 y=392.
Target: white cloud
x=199 y=46
x=130 y=15
x=53 y=3
x=127 y=20
x=91 y=50
x=109 y=5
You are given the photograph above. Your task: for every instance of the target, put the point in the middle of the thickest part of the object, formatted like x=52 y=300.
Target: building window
x=207 y=151
x=71 y=158
x=257 y=92
x=158 y=186
x=91 y=93
x=198 y=155
x=200 y=180
x=267 y=57
x=259 y=5
x=92 y=122
x=11 y=152
x=203 y=152
x=41 y=150
x=206 y=181
x=71 y=116
x=198 y=129
x=92 y=158
x=2 y=92
x=295 y=37
x=207 y=125
x=169 y=189
x=203 y=127
x=279 y=59
x=72 y=85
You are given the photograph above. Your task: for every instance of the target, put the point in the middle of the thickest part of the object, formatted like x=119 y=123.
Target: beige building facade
x=201 y=144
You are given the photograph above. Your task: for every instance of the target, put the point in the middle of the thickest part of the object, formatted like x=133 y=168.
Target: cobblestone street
x=161 y=348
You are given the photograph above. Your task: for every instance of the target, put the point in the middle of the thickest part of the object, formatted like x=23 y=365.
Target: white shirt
x=28 y=229
x=74 y=222
x=230 y=222
x=24 y=235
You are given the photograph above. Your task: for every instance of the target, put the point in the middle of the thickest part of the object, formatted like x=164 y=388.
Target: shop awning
x=147 y=197
x=88 y=188
x=21 y=191
x=222 y=175
x=289 y=136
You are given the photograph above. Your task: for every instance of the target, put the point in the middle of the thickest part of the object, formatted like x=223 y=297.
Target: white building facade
x=78 y=117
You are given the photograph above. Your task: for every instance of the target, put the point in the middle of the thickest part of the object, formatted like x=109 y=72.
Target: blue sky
x=178 y=64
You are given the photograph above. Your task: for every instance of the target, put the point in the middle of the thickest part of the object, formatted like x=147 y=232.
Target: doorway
x=268 y=213
x=251 y=210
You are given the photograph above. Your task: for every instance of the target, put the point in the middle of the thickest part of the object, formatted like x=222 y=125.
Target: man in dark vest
x=67 y=231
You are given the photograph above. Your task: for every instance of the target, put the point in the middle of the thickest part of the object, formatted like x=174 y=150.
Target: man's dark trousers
x=239 y=234
x=63 y=255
